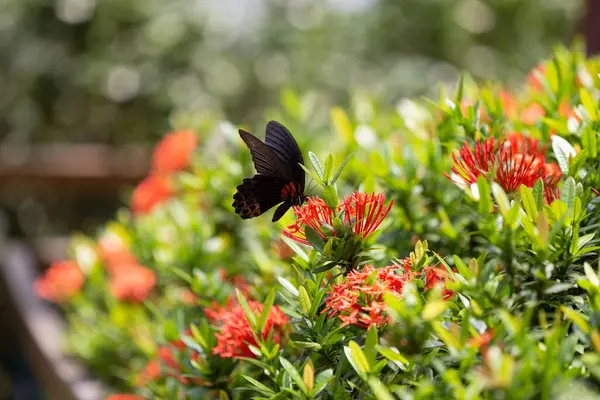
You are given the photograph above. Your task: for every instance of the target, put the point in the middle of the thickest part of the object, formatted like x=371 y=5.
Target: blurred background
x=86 y=86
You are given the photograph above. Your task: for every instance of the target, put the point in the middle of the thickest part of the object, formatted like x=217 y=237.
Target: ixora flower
x=234 y=332
x=359 y=299
x=362 y=212
x=174 y=151
x=316 y=214
x=61 y=281
x=512 y=162
x=153 y=190
x=125 y=397
x=132 y=283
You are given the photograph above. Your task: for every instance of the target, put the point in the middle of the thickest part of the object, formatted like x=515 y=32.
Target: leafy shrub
x=448 y=250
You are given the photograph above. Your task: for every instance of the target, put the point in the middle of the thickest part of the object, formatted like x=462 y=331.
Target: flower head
x=316 y=214
x=517 y=160
x=61 y=281
x=532 y=113
x=359 y=299
x=174 y=151
x=365 y=212
x=132 y=283
x=235 y=334
x=150 y=373
x=152 y=191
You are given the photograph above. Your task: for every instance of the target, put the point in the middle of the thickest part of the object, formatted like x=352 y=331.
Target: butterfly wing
x=281 y=142
x=266 y=161
x=258 y=194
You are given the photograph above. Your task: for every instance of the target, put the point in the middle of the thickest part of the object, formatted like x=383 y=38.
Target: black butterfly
x=280 y=179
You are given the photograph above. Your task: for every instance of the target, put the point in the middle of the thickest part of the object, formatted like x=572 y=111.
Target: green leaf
x=328 y=168
x=501 y=199
x=528 y=203
x=322 y=380
x=433 y=309
x=513 y=215
x=370 y=344
x=330 y=197
x=295 y=247
x=563 y=151
x=577 y=318
x=316 y=164
x=342 y=125
x=305 y=345
x=249 y=314
x=590 y=141
x=305 y=303
x=538 y=194
x=259 y=386
x=451 y=342
x=379 y=390
x=288 y=286
x=485 y=203
x=314 y=239
x=294 y=374
x=264 y=315
x=567 y=193
x=308 y=375
x=588 y=103
x=392 y=355
x=339 y=171
x=310 y=173
x=591 y=275
x=357 y=358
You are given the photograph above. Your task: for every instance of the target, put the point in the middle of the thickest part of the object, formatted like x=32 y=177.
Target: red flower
x=532 y=113
x=114 y=253
x=365 y=212
x=316 y=214
x=533 y=81
x=152 y=191
x=436 y=276
x=509 y=104
x=61 y=281
x=483 y=340
x=150 y=373
x=173 y=152
x=515 y=161
x=125 y=397
x=359 y=299
x=235 y=335
x=132 y=283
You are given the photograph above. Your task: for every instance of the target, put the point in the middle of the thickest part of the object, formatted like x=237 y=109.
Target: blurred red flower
x=174 y=152
x=509 y=104
x=150 y=192
x=316 y=214
x=365 y=212
x=359 y=299
x=517 y=160
x=125 y=397
x=437 y=276
x=234 y=332
x=61 y=281
x=150 y=373
x=532 y=113
x=132 y=283
x=532 y=78
x=114 y=253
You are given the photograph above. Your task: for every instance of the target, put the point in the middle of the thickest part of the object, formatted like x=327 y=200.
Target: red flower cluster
x=512 y=162
x=316 y=214
x=359 y=299
x=129 y=281
x=365 y=212
x=61 y=281
x=235 y=333
x=125 y=397
x=362 y=212
x=171 y=154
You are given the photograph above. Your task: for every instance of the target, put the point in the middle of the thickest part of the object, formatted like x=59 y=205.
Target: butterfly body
x=279 y=178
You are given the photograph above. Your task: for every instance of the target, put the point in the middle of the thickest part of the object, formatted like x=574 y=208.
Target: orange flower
x=174 y=151
x=152 y=191
x=115 y=254
x=365 y=212
x=234 y=333
x=150 y=373
x=125 y=397
x=316 y=214
x=509 y=104
x=483 y=340
x=532 y=78
x=437 y=276
x=132 y=283
x=61 y=281
x=532 y=113
x=565 y=110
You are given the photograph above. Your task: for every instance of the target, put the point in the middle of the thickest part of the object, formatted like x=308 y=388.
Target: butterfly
x=279 y=178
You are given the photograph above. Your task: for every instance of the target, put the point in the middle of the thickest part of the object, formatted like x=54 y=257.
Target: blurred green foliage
x=114 y=70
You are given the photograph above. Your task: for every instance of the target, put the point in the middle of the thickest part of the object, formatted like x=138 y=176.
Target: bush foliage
x=448 y=250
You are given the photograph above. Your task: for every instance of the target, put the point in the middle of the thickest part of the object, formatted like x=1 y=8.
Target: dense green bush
x=471 y=272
